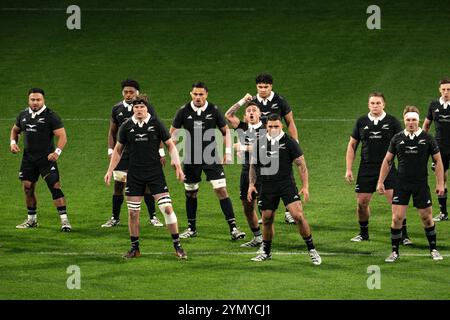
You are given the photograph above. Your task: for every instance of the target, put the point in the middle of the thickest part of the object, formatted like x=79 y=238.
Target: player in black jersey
x=142 y=134
x=413 y=148
x=39 y=125
x=269 y=102
x=121 y=112
x=374 y=131
x=248 y=132
x=200 y=118
x=439 y=112
x=273 y=154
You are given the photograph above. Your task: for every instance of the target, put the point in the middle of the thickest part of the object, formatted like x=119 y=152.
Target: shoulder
x=242 y=125
x=51 y=112
x=117 y=106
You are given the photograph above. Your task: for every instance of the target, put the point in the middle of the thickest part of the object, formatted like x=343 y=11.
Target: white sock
x=63 y=216
x=32 y=217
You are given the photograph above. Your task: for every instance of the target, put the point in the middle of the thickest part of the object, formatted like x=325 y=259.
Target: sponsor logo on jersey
x=141 y=137
x=444 y=118
x=271 y=153
x=411 y=149
x=375 y=135
x=198 y=124
x=30 y=128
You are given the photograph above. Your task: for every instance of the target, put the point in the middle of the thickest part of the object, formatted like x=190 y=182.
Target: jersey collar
x=411 y=136
x=33 y=114
x=254 y=126
x=140 y=123
x=128 y=106
x=199 y=110
x=264 y=101
x=277 y=138
x=376 y=119
x=444 y=103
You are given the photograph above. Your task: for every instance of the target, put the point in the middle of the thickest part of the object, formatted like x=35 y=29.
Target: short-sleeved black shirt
x=375 y=138
x=441 y=118
x=277 y=105
x=37 y=129
x=413 y=156
x=143 y=143
x=197 y=125
x=275 y=160
x=247 y=137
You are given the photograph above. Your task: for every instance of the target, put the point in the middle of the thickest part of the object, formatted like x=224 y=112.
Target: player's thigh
x=289 y=193
x=366 y=183
x=401 y=194
x=269 y=198
x=192 y=173
x=422 y=196
x=29 y=171
x=135 y=186
x=157 y=184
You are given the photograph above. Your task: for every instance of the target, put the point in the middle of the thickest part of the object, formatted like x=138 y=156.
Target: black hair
x=130 y=83
x=264 y=78
x=140 y=99
x=36 y=90
x=200 y=85
x=444 y=81
x=274 y=117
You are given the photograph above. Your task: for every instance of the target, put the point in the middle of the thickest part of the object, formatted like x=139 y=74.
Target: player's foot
x=315 y=258
x=262 y=257
x=237 y=234
x=111 y=223
x=188 y=233
x=180 y=253
x=435 y=255
x=132 y=253
x=407 y=242
x=441 y=217
x=288 y=218
x=28 y=224
x=65 y=226
x=255 y=242
x=359 y=238
x=394 y=256
x=155 y=222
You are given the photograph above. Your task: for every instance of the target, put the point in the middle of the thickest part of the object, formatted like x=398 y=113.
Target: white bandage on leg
x=191 y=186
x=120 y=176
x=219 y=183
x=134 y=205
x=163 y=203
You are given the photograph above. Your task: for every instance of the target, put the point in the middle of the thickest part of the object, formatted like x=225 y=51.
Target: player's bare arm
x=175 y=159
x=228 y=144
x=14 y=137
x=303 y=171
x=439 y=172
x=230 y=115
x=384 y=171
x=349 y=158
x=61 y=137
x=291 y=127
x=112 y=136
x=252 y=182
x=115 y=159
x=426 y=125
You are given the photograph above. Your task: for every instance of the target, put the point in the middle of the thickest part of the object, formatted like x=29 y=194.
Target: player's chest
x=123 y=115
x=144 y=135
x=270 y=107
x=203 y=121
x=416 y=147
x=249 y=136
x=441 y=115
x=34 y=125
x=372 y=133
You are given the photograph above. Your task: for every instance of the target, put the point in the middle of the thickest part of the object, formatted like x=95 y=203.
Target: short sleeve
x=178 y=120
x=285 y=108
x=392 y=148
x=430 y=112
x=434 y=148
x=355 y=133
x=55 y=121
x=397 y=126
x=122 y=137
x=18 y=121
x=295 y=150
x=164 y=133
x=220 y=122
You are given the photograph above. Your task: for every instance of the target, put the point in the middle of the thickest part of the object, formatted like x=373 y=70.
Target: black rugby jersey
x=276 y=105
x=441 y=118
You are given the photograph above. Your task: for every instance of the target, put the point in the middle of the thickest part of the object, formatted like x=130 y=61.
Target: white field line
x=213 y=253
x=166 y=119
x=168 y=9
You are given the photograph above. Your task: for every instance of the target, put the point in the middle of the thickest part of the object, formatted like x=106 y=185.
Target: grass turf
x=324 y=61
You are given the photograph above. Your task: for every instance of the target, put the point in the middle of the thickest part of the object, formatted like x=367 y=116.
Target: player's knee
x=267 y=220
x=54 y=186
x=28 y=188
x=221 y=192
x=363 y=204
x=165 y=204
x=134 y=207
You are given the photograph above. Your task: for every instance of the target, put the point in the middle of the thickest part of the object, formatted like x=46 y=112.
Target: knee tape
x=134 y=205
x=163 y=203
x=51 y=179
x=120 y=176
x=219 y=183
x=191 y=187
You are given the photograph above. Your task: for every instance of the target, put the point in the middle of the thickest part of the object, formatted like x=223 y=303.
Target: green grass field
x=325 y=62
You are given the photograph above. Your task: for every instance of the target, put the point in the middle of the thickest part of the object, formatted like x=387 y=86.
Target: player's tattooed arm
x=230 y=115
x=252 y=174
x=303 y=170
x=252 y=181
